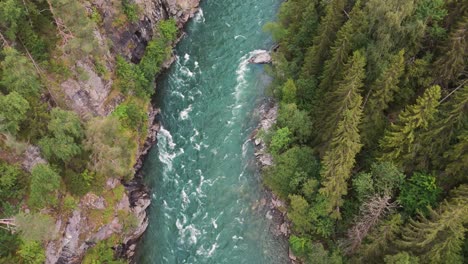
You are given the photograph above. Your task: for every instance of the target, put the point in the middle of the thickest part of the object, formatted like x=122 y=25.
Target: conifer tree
x=380 y=240
x=339 y=100
x=441 y=235
x=457 y=158
x=349 y=37
x=339 y=159
x=397 y=143
x=454 y=56
x=381 y=94
x=319 y=51
x=443 y=130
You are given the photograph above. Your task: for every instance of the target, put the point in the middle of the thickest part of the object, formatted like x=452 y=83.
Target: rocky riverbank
x=102 y=216
x=276 y=208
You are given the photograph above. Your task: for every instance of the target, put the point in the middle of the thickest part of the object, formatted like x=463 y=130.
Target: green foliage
x=66 y=136
x=418 y=193
x=9 y=244
x=293 y=168
x=35 y=227
x=168 y=29
x=298 y=214
x=44 y=185
x=132 y=116
x=11 y=183
x=130 y=78
x=19 y=75
x=31 y=252
x=297 y=121
x=401 y=258
x=383 y=179
x=280 y=139
x=14 y=108
x=398 y=142
x=10 y=15
x=289 y=92
x=101 y=253
x=131 y=10
x=112 y=148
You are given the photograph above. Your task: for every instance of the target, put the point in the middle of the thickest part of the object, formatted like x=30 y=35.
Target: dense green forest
x=41 y=43
x=371 y=141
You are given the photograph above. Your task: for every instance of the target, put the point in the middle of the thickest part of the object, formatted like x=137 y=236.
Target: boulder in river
x=262 y=57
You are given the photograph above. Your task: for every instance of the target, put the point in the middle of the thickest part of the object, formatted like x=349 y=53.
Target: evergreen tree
x=318 y=53
x=454 y=56
x=381 y=94
x=342 y=98
x=397 y=143
x=444 y=129
x=439 y=237
x=339 y=160
x=19 y=75
x=350 y=37
x=13 y=111
x=457 y=157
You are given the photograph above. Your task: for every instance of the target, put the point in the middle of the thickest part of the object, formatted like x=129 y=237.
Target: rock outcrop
x=262 y=57
x=91 y=96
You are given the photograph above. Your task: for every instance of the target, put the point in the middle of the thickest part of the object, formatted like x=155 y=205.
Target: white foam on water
x=186 y=71
x=167 y=135
x=185 y=113
x=192 y=138
x=178 y=94
x=185 y=198
x=186 y=57
x=245 y=148
x=237 y=237
x=196 y=64
x=207 y=253
x=239 y=36
x=213 y=222
x=199 y=17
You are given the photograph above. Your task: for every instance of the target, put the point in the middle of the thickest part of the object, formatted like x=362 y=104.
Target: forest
x=371 y=141
x=41 y=44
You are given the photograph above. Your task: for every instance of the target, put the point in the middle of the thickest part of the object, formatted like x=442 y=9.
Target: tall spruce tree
x=381 y=93
x=345 y=143
x=337 y=101
x=320 y=49
x=350 y=37
x=397 y=144
x=453 y=59
x=439 y=238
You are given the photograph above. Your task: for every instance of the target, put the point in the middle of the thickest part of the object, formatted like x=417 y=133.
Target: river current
x=204 y=180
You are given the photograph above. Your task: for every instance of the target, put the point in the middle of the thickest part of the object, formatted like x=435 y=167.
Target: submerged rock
x=263 y=57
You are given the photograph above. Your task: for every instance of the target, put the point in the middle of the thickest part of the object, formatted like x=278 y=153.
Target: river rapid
x=205 y=183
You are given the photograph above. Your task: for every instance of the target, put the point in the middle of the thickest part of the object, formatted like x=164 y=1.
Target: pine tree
x=336 y=102
x=454 y=57
x=318 y=53
x=443 y=130
x=339 y=160
x=457 y=158
x=440 y=236
x=350 y=36
x=397 y=143
x=381 y=94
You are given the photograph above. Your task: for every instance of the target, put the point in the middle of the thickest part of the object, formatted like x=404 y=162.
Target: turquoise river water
x=205 y=183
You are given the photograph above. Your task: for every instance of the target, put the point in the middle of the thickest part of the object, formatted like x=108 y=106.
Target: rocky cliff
x=98 y=217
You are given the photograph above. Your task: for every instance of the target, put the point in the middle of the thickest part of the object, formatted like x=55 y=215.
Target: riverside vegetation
x=371 y=141
x=40 y=42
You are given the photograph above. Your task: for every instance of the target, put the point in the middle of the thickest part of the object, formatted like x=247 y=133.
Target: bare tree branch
x=372 y=211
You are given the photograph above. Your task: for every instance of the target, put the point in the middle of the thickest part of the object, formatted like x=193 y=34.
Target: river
x=205 y=183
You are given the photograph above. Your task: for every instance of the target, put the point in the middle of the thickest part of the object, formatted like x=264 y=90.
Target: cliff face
x=92 y=95
x=96 y=217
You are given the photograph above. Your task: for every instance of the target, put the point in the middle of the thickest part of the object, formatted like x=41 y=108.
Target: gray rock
x=32 y=157
x=261 y=58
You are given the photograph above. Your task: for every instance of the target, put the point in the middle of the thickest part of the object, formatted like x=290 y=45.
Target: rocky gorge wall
x=96 y=216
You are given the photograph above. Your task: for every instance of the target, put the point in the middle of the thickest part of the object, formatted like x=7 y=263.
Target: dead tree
x=372 y=211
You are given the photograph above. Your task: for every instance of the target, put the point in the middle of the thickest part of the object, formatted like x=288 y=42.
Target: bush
x=32 y=253
x=418 y=193
x=280 y=140
x=130 y=10
x=45 y=183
